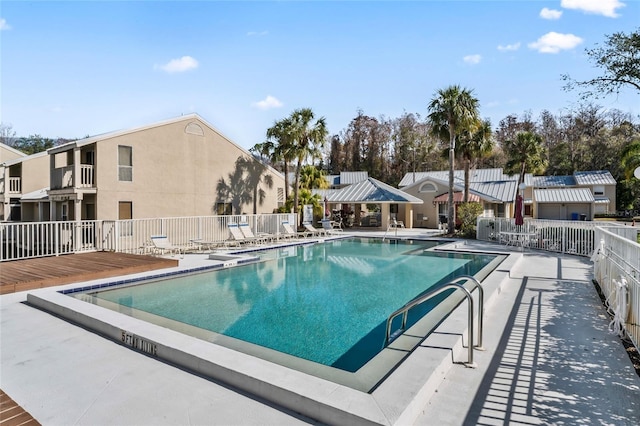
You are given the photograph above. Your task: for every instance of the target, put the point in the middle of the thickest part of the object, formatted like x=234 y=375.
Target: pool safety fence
x=25 y=240
x=613 y=248
x=616 y=268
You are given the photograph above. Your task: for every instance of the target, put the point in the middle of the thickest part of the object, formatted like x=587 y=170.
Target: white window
x=427 y=187
x=598 y=190
x=280 y=197
x=125 y=163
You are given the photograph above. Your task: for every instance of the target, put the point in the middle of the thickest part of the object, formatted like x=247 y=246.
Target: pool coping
x=397 y=400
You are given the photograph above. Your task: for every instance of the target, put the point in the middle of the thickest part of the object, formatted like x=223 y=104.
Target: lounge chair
x=249 y=235
x=329 y=226
x=315 y=232
x=395 y=224
x=237 y=237
x=289 y=232
x=162 y=245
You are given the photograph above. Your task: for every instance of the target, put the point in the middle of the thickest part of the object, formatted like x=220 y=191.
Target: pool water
x=326 y=302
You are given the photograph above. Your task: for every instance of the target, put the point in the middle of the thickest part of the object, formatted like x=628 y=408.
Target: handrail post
x=480 y=306
x=405 y=309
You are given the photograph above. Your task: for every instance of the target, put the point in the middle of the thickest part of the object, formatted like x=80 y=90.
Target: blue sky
x=71 y=69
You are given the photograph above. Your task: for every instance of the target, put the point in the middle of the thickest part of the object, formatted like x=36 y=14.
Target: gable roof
x=370 y=191
x=10 y=149
x=498 y=191
x=475 y=175
x=187 y=117
x=25 y=158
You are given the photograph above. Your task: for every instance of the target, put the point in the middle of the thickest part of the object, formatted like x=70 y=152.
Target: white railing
x=62 y=177
x=86 y=176
x=39 y=239
x=562 y=236
x=613 y=248
x=616 y=268
x=15 y=185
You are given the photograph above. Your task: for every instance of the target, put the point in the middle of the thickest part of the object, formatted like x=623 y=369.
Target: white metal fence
x=26 y=240
x=616 y=268
x=614 y=250
x=562 y=236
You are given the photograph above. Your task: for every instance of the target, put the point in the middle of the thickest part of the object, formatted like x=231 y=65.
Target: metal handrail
x=451 y=284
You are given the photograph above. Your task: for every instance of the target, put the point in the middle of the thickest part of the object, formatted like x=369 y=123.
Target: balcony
x=62 y=177
x=15 y=185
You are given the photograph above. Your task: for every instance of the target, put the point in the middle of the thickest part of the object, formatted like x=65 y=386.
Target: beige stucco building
x=174 y=168
x=574 y=197
x=23 y=177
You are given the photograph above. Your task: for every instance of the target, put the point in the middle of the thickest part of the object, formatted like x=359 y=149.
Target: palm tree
x=474 y=143
x=308 y=139
x=279 y=148
x=525 y=153
x=450 y=112
x=631 y=158
x=312 y=177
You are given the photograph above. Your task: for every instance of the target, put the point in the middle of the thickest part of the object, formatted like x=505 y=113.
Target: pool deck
x=549 y=359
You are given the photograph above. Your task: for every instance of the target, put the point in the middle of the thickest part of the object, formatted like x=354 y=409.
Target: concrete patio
x=549 y=359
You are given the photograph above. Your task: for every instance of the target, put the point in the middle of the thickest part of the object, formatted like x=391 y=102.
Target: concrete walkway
x=549 y=360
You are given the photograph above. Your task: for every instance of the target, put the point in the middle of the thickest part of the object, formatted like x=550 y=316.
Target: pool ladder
x=456 y=284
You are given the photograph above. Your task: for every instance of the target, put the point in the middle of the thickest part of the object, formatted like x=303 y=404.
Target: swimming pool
x=391 y=388
x=323 y=303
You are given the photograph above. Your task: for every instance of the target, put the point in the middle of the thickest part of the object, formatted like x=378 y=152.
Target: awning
x=35 y=196
x=563 y=195
x=458 y=197
x=602 y=200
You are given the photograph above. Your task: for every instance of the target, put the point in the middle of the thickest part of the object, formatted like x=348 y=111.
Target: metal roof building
x=371 y=191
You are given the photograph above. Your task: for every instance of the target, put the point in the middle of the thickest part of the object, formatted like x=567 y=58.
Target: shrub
x=468 y=215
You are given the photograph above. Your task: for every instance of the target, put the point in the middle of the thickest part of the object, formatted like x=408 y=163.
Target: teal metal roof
x=371 y=191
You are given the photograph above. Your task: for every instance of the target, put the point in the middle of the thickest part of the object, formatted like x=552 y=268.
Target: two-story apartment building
x=174 y=168
x=23 y=177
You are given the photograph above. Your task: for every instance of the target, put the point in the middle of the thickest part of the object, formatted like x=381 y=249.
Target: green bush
x=468 y=215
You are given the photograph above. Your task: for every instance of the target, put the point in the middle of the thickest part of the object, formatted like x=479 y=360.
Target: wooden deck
x=11 y=414
x=29 y=274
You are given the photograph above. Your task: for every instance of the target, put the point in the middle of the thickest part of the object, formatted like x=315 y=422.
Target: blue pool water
x=326 y=303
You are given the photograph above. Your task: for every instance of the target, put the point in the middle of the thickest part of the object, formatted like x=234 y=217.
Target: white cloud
x=267 y=103
x=257 y=33
x=472 y=59
x=596 y=7
x=509 y=47
x=546 y=13
x=183 y=64
x=553 y=42
x=3 y=25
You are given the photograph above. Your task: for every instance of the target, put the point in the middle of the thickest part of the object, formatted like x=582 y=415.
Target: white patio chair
x=162 y=245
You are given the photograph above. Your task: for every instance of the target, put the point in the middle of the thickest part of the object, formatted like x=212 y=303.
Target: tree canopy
x=619 y=60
